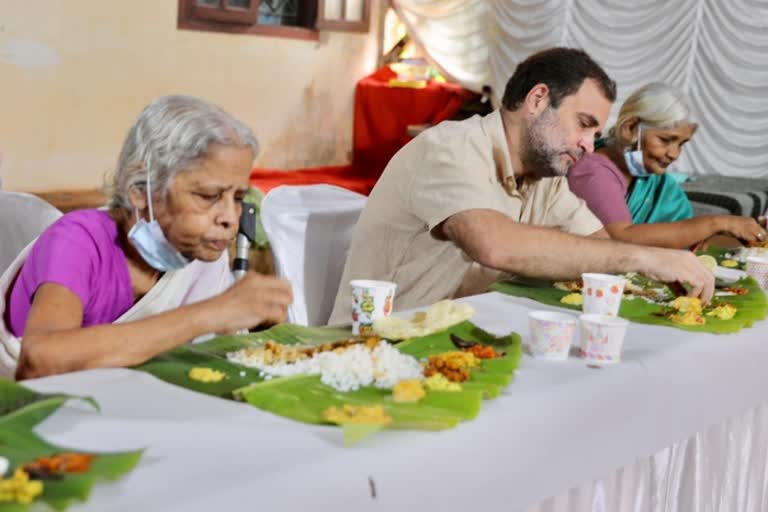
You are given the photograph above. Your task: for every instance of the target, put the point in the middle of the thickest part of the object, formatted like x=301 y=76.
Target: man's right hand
x=252 y=300
x=671 y=265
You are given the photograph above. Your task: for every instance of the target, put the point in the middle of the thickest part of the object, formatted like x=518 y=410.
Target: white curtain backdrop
x=716 y=52
x=455 y=35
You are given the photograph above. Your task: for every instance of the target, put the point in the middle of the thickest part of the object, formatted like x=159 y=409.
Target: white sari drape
x=195 y=282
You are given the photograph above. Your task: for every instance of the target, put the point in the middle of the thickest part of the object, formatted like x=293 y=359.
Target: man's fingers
x=696 y=288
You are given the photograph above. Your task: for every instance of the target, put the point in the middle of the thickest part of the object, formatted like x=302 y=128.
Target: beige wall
x=74 y=74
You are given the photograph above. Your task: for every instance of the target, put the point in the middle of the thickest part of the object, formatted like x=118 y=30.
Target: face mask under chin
x=150 y=241
x=634 y=159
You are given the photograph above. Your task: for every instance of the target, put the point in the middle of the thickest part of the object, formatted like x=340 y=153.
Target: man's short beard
x=540 y=156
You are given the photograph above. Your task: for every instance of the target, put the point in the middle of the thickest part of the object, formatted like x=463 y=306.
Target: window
x=300 y=19
x=348 y=15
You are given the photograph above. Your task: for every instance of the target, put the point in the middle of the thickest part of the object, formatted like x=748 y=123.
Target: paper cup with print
x=370 y=300
x=602 y=338
x=602 y=293
x=757 y=267
x=551 y=334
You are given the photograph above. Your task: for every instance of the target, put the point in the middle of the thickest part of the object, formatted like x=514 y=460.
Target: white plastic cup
x=757 y=267
x=370 y=300
x=551 y=334
x=602 y=338
x=602 y=293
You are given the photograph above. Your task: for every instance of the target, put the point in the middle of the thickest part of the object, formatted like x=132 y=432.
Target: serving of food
x=428 y=372
x=736 y=258
x=738 y=301
x=38 y=475
x=635 y=286
x=437 y=317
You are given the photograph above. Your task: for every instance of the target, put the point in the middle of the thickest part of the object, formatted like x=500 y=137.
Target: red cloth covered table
x=382 y=115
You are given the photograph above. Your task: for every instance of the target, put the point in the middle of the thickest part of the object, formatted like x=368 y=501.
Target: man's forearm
x=494 y=240
x=491 y=239
x=552 y=254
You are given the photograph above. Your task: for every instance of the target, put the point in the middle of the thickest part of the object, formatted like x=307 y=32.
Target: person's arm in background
x=686 y=233
x=599 y=183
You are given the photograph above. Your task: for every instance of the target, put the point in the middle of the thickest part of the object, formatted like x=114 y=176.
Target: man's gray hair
x=170 y=134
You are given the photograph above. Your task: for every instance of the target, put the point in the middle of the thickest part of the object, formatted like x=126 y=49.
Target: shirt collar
x=494 y=127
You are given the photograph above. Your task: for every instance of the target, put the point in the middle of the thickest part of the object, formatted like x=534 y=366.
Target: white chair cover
x=22 y=218
x=310 y=229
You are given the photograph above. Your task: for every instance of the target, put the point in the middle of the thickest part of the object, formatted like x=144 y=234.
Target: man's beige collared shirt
x=453 y=167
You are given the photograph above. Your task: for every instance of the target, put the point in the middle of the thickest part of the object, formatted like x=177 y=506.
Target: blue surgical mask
x=150 y=241
x=634 y=159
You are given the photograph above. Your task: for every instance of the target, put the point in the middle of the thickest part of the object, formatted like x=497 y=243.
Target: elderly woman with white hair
x=116 y=286
x=625 y=181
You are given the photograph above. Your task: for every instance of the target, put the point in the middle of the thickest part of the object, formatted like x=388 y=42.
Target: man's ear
x=537 y=100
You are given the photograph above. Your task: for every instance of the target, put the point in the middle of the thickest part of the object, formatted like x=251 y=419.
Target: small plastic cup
x=602 y=338
x=757 y=267
x=551 y=334
x=602 y=293
x=370 y=300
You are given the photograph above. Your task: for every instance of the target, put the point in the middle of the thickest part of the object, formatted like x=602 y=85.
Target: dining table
x=680 y=423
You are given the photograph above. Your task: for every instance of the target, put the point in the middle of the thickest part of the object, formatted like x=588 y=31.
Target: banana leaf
x=304 y=398
x=719 y=253
x=21 y=409
x=751 y=307
x=174 y=366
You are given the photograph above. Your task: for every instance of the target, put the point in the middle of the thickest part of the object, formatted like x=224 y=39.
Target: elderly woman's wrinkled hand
x=253 y=300
x=746 y=229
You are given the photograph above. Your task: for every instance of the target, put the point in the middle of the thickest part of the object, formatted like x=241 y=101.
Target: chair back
x=310 y=229
x=22 y=218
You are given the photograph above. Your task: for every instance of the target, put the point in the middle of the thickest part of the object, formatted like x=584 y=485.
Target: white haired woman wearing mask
x=114 y=287
x=624 y=182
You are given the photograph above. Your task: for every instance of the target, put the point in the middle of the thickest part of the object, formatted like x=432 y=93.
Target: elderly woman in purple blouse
x=114 y=287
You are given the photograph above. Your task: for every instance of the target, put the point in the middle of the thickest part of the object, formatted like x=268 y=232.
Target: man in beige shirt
x=465 y=202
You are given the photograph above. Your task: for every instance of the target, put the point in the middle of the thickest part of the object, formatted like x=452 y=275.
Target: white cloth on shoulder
x=196 y=282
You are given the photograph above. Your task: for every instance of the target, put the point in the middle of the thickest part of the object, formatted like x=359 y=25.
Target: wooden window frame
x=342 y=25
x=189 y=18
x=230 y=14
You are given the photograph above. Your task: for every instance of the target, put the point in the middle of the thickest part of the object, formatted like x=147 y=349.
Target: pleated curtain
x=715 y=51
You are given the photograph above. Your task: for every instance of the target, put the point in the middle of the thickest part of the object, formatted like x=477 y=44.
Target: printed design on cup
x=388 y=304
x=551 y=334
x=602 y=338
x=602 y=293
x=757 y=268
x=362 y=313
x=596 y=343
x=370 y=300
x=558 y=336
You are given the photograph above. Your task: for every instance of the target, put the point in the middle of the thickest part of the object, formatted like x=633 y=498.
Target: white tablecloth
x=557 y=426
